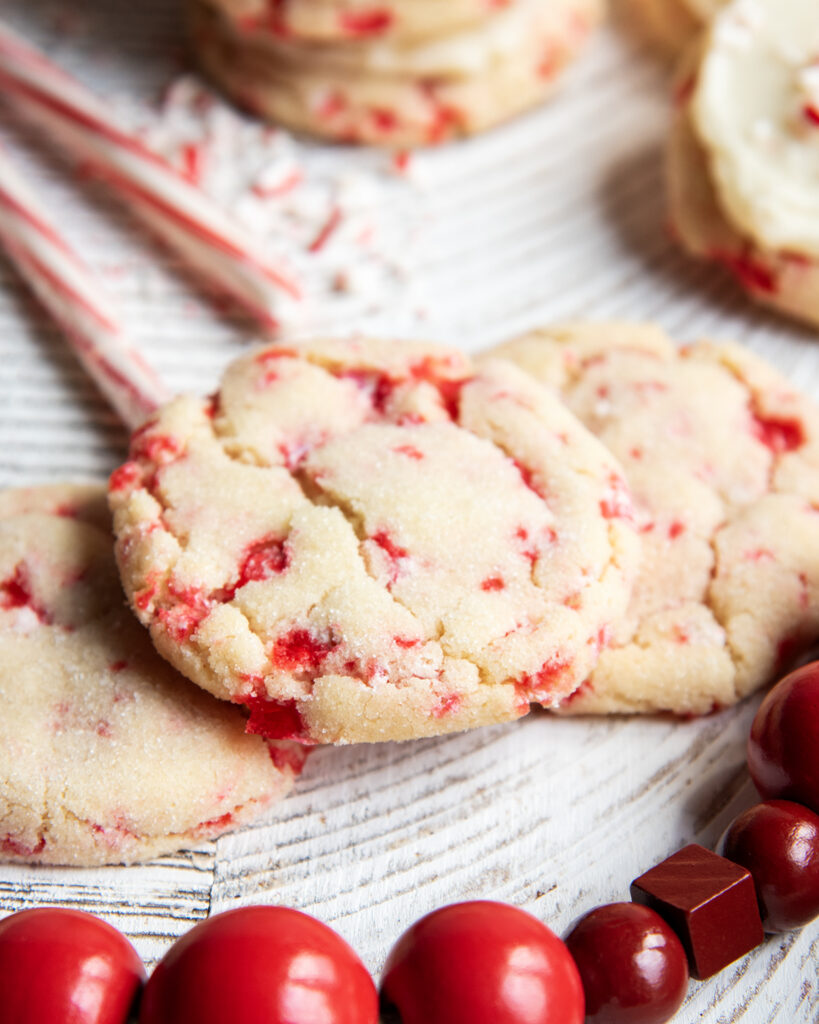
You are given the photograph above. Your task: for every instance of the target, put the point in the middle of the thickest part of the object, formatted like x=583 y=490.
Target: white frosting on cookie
x=756 y=110
x=107 y=756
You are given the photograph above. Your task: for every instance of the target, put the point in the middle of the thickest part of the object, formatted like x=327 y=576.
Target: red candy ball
x=783 y=746
x=778 y=842
x=260 y=964
x=63 y=965
x=482 y=963
x=633 y=967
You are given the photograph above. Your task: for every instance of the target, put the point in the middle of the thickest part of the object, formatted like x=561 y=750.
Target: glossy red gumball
x=65 y=967
x=481 y=963
x=778 y=842
x=633 y=967
x=782 y=748
x=260 y=965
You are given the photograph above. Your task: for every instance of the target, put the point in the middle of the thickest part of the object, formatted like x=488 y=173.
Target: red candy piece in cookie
x=16 y=592
x=366 y=23
x=780 y=435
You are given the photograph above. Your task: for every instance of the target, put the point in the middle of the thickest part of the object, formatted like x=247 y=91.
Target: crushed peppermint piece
x=349 y=230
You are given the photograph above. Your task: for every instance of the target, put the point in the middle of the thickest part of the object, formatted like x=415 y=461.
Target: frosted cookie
x=365 y=541
x=744 y=153
x=398 y=95
x=106 y=754
x=722 y=457
x=350 y=20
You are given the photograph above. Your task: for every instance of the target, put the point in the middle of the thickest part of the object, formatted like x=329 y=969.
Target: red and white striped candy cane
x=203 y=234
x=75 y=297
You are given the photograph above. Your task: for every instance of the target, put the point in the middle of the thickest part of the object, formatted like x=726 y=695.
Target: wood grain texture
x=558 y=215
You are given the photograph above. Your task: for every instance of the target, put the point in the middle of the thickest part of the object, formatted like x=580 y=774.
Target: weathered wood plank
x=558 y=215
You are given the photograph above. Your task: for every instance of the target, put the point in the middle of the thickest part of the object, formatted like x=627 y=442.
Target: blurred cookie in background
x=743 y=161
x=395 y=91
x=107 y=755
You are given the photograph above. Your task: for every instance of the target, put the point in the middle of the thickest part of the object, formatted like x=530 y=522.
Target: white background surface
x=560 y=214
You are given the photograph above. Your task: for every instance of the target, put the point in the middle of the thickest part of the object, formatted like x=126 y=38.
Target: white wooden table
x=558 y=215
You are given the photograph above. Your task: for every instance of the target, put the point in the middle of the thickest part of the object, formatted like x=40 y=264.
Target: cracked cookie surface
x=367 y=541
x=106 y=754
x=722 y=457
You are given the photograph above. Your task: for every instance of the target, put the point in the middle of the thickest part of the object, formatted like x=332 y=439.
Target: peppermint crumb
x=347 y=226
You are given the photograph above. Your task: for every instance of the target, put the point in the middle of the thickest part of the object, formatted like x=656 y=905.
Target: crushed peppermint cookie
x=721 y=457
x=98 y=702
x=318 y=564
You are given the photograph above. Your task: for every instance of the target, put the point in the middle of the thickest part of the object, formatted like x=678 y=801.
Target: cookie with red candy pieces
x=356 y=20
x=416 y=93
x=368 y=540
x=722 y=457
x=107 y=755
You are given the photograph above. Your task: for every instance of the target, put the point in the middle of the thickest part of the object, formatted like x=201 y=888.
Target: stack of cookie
x=402 y=73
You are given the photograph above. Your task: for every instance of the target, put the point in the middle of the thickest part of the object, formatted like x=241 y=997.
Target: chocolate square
x=710 y=903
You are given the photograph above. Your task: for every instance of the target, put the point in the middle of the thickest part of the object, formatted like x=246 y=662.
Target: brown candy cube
x=710 y=903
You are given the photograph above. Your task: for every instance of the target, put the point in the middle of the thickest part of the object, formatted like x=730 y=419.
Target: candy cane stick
x=204 y=235
x=76 y=299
